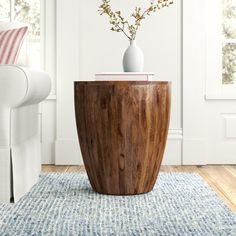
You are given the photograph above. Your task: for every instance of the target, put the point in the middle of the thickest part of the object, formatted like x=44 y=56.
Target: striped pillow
x=10 y=44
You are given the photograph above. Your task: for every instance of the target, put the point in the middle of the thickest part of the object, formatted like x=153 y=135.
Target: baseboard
x=173 y=151
x=67 y=152
x=194 y=152
x=48 y=153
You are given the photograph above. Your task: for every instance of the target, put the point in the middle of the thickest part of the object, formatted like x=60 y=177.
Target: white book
x=121 y=76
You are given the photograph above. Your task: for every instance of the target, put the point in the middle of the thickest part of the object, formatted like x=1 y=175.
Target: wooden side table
x=122 y=129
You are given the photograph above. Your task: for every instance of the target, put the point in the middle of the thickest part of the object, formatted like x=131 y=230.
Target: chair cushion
x=10 y=44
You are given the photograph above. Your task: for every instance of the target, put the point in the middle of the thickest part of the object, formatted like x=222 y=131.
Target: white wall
x=209 y=120
x=85 y=46
x=203 y=131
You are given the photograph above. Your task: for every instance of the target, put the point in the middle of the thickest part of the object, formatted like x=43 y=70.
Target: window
x=40 y=16
x=220 y=32
x=4 y=10
x=229 y=41
x=28 y=11
x=25 y=11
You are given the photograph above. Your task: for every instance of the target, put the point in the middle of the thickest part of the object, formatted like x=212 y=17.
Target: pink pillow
x=10 y=44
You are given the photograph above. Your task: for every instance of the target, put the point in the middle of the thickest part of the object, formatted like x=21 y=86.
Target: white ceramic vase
x=133 y=59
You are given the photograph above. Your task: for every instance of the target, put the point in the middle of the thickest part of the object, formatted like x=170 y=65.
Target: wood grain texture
x=122 y=129
x=53 y=168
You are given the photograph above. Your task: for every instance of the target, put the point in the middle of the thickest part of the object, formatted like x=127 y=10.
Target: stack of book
x=119 y=76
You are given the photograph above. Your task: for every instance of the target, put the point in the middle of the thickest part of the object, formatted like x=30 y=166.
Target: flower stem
x=124 y=32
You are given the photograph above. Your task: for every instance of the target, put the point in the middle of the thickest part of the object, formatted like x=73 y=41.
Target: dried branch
x=120 y=24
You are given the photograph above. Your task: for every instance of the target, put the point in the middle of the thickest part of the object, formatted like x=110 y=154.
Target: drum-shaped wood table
x=122 y=128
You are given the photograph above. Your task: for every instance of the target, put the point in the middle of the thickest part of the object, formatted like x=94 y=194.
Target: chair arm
x=21 y=86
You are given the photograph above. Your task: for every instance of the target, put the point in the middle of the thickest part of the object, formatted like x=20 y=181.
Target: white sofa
x=21 y=91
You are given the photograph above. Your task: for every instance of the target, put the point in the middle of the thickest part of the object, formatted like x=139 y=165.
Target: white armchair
x=21 y=91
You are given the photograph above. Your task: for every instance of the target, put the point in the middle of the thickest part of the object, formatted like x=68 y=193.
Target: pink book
x=123 y=76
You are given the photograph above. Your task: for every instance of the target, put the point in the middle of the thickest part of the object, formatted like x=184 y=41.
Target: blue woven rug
x=64 y=204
